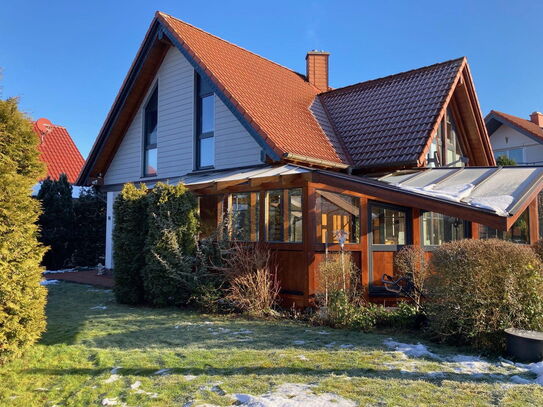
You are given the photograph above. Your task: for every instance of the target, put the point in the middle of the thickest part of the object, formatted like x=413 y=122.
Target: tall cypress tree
x=22 y=299
x=57 y=222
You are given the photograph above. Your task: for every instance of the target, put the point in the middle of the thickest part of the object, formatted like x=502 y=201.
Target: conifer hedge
x=22 y=298
x=129 y=235
x=57 y=222
x=168 y=276
x=154 y=241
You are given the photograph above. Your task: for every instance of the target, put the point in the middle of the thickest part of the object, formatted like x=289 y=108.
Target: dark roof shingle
x=386 y=122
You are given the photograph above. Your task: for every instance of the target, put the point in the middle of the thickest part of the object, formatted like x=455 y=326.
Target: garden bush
x=478 y=288
x=129 y=236
x=169 y=276
x=252 y=287
x=411 y=263
x=22 y=298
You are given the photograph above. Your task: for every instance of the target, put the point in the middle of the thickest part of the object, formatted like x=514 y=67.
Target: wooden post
x=533 y=217
x=309 y=235
x=364 y=251
x=474 y=230
x=416 y=227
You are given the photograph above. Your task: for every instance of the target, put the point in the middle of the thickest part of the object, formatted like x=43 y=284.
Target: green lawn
x=210 y=358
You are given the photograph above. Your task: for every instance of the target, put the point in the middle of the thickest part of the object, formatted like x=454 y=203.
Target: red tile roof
x=59 y=153
x=274 y=99
x=524 y=124
x=387 y=121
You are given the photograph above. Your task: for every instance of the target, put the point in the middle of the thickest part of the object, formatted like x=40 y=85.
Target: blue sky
x=67 y=59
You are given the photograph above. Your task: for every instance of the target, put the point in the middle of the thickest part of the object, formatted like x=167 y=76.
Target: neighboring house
x=59 y=153
x=405 y=159
x=516 y=138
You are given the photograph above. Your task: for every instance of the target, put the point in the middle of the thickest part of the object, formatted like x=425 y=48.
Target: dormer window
x=205 y=124
x=445 y=150
x=150 y=136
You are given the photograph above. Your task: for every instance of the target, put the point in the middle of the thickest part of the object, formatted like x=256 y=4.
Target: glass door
x=389 y=230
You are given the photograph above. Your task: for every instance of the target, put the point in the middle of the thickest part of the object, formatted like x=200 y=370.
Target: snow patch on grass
x=49 y=282
x=99 y=307
x=293 y=395
x=417 y=351
x=162 y=372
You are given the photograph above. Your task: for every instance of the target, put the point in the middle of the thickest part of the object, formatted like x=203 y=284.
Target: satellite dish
x=44 y=125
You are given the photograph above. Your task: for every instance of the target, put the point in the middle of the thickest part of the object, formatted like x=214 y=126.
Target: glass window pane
x=438 y=228
x=519 y=232
x=275 y=216
x=207 y=109
x=388 y=226
x=295 y=219
x=151 y=162
x=207 y=152
x=337 y=214
x=517 y=155
x=245 y=216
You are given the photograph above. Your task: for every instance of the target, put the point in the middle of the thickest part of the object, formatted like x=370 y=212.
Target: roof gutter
x=315 y=161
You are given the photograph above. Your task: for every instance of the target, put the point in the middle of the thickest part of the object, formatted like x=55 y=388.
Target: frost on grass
x=300 y=342
x=99 y=307
x=49 y=282
x=162 y=372
x=416 y=351
x=293 y=395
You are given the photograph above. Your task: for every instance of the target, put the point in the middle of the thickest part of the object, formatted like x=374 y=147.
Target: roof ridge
x=235 y=45
x=392 y=76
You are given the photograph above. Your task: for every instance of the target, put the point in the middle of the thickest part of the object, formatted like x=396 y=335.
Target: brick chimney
x=317 y=69
x=537 y=118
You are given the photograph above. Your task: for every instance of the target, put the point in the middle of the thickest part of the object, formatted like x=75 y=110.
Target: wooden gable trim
x=464 y=105
x=137 y=81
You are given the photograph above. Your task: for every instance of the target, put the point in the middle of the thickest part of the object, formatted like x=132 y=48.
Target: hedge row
x=154 y=242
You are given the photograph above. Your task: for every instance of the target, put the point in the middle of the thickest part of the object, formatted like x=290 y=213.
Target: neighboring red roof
x=387 y=121
x=275 y=99
x=59 y=152
x=524 y=124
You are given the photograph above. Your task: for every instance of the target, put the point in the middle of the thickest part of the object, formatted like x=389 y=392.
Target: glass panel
x=336 y=215
x=517 y=155
x=207 y=152
x=388 y=226
x=151 y=162
x=151 y=119
x=519 y=232
x=207 y=111
x=438 y=228
x=295 y=220
x=454 y=152
x=275 y=216
x=245 y=216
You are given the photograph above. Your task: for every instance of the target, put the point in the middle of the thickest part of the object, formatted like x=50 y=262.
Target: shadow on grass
x=368 y=373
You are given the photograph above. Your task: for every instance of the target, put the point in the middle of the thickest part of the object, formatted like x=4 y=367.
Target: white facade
x=523 y=149
x=234 y=146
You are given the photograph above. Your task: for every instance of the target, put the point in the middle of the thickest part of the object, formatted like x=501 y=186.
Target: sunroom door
x=389 y=230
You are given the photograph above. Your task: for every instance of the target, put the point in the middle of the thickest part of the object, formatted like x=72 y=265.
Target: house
x=516 y=138
x=404 y=159
x=59 y=153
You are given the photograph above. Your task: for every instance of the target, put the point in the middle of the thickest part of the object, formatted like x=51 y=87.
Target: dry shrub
x=538 y=248
x=337 y=273
x=478 y=288
x=411 y=263
x=253 y=285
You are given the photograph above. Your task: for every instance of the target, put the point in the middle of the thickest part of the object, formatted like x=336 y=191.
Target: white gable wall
x=505 y=138
x=234 y=146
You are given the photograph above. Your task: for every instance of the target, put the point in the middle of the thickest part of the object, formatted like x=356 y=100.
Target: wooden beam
x=533 y=217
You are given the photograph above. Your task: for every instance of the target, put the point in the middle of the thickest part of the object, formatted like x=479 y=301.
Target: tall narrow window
x=275 y=216
x=205 y=124
x=445 y=149
x=337 y=216
x=150 y=136
x=388 y=226
x=295 y=218
x=245 y=216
